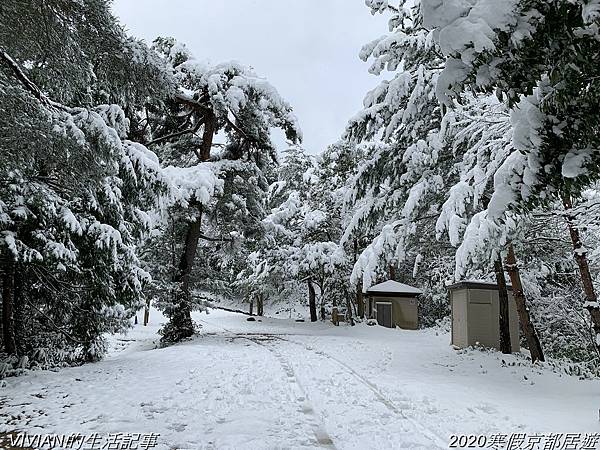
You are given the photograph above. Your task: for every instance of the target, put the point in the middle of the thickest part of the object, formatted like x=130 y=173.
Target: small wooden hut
x=394 y=304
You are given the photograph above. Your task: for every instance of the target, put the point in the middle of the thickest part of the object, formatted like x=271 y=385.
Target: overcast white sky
x=308 y=49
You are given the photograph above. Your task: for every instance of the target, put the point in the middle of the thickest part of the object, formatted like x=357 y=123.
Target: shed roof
x=393 y=287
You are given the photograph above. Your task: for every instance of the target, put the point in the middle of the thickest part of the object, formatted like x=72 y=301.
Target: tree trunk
x=321 y=285
x=505 y=345
x=181 y=317
x=260 y=304
x=533 y=342
x=580 y=253
x=392 y=272
x=8 y=330
x=210 y=125
x=312 y=301
x=251 y=312
x=186 y=262
x=349 y=317
x=360 y=301
x=147 y=312
x=334 y=316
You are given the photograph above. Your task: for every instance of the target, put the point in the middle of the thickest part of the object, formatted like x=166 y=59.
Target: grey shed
x=394 y=304
x=476 y=315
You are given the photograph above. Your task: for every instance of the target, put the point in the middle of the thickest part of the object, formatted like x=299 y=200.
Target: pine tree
x=70 y=220
x=402 y=179
x=226 y=98
x=479 y=130
x=539 y=57
x=75 y=192
x=305 y=229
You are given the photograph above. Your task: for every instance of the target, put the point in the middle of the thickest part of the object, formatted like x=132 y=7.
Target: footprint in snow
x=179 y=427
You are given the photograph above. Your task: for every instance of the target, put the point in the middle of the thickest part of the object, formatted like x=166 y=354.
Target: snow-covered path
x=282 y=384
x=333 y=396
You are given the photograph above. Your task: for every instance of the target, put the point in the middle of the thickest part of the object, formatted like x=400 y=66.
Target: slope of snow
x=280 y=384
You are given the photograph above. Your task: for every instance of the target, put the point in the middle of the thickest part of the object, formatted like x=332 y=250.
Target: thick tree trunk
x=251 y=311
x=535 y=347
x=312 y=301
x=580 y=253
x=181 y=317
x=186 y=262
x=8 y=330
x=260 y=304
x=504 y=324
x=360 y=301
x=210 y=125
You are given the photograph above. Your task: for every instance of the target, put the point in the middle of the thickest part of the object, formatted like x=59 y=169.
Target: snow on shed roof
x=393 y=287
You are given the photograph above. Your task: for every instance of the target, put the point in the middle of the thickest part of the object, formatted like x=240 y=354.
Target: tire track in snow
x=389 y=404
x=323 y=439
x=436 y=440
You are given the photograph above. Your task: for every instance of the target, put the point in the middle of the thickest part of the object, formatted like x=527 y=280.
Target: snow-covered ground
x=282 y=384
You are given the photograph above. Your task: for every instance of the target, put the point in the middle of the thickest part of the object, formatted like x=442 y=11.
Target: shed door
x=483 y=323
x=384 y=314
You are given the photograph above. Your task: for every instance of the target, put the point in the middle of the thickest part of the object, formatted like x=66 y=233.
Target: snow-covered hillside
x=277 y=383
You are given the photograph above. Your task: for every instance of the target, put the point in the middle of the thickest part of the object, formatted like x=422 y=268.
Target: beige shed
x=476 y=315
x=394 y=304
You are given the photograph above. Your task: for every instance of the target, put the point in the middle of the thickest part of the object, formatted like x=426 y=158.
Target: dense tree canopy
x=135 y=175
